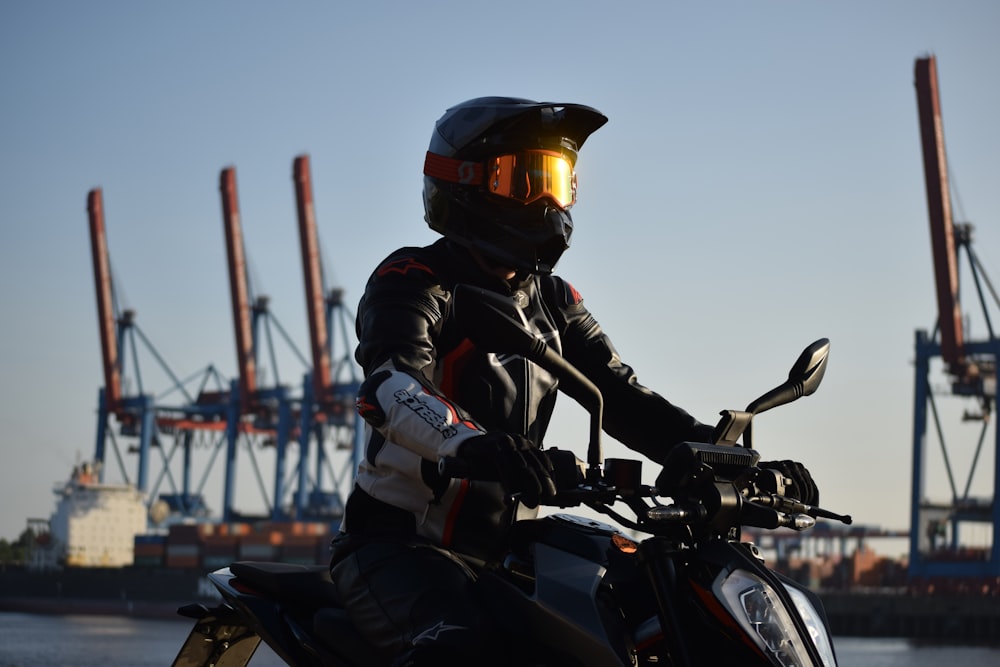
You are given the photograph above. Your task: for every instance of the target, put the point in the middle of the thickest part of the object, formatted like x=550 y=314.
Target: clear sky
x=759 y=185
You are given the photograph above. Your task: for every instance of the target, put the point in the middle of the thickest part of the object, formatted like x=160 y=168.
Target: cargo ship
x=97 y=554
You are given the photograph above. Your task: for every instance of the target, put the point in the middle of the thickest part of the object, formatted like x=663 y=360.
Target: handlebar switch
x=772 y=481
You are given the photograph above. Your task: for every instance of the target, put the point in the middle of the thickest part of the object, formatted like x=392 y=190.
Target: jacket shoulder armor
x=408 y=263
x=411 y=278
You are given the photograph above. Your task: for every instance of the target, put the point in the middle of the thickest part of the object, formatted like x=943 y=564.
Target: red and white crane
x=936 y=531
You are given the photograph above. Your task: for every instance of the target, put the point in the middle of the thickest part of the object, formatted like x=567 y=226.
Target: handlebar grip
x=454 y=467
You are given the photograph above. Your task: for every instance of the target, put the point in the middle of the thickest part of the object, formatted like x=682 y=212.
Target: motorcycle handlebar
x=454 y=467
x=763 y=511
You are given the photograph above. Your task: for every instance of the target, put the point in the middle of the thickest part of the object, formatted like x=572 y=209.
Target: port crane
x=937 y=548
x=156 y=428
x=261 y=415
x=319 y=419
x=328 y=415
x=239 y=417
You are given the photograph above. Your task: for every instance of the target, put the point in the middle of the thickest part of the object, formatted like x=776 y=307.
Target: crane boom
x=105 y=305
x=239 y=291
x=319 y=336
x=939 y=209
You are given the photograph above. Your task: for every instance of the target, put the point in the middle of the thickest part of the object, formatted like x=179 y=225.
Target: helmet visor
x=531 y=175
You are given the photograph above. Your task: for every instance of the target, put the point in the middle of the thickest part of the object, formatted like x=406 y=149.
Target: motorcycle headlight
x=817 y=630
x=759 y=611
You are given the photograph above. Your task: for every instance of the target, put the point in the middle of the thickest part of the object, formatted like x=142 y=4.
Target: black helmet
x=499 y=177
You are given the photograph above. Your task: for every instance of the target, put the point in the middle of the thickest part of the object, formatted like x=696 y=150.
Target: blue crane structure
x=212 y=418
x=938 y=544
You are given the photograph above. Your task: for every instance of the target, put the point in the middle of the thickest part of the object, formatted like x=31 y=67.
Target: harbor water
x=33 y=640
x=29 y=640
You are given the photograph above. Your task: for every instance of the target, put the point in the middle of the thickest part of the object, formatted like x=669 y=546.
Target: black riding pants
x=415 y=602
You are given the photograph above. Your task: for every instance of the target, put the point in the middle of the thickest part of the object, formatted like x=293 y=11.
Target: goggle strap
x=453 y=171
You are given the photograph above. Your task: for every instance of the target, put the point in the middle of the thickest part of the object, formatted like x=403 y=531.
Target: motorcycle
x=577 y=591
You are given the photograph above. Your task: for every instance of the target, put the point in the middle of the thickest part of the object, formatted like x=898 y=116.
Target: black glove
x=512 y=460
x=802 y=487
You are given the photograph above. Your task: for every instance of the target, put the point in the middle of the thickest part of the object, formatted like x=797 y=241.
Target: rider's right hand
x=802 y=486
x=514 y=461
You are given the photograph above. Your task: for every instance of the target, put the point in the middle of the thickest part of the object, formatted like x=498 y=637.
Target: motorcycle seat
x=283 y=581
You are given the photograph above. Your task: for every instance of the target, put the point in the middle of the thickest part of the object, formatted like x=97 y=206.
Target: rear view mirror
x=803 y=380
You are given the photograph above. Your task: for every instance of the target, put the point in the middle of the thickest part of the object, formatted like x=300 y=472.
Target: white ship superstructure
x=94 y=524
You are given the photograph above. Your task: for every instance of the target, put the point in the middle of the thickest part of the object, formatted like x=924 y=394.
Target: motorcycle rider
x=499 y=181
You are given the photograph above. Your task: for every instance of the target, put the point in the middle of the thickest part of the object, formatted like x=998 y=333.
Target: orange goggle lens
x=524 y=177
x=531 y=175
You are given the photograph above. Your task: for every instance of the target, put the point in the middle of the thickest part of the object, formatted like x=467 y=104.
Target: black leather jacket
x=428 y=390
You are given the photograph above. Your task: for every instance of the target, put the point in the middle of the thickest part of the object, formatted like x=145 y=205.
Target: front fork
x=656 y=556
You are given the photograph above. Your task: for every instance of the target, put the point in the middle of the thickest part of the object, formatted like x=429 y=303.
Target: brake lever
x=826 y=514
x=792 y=506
